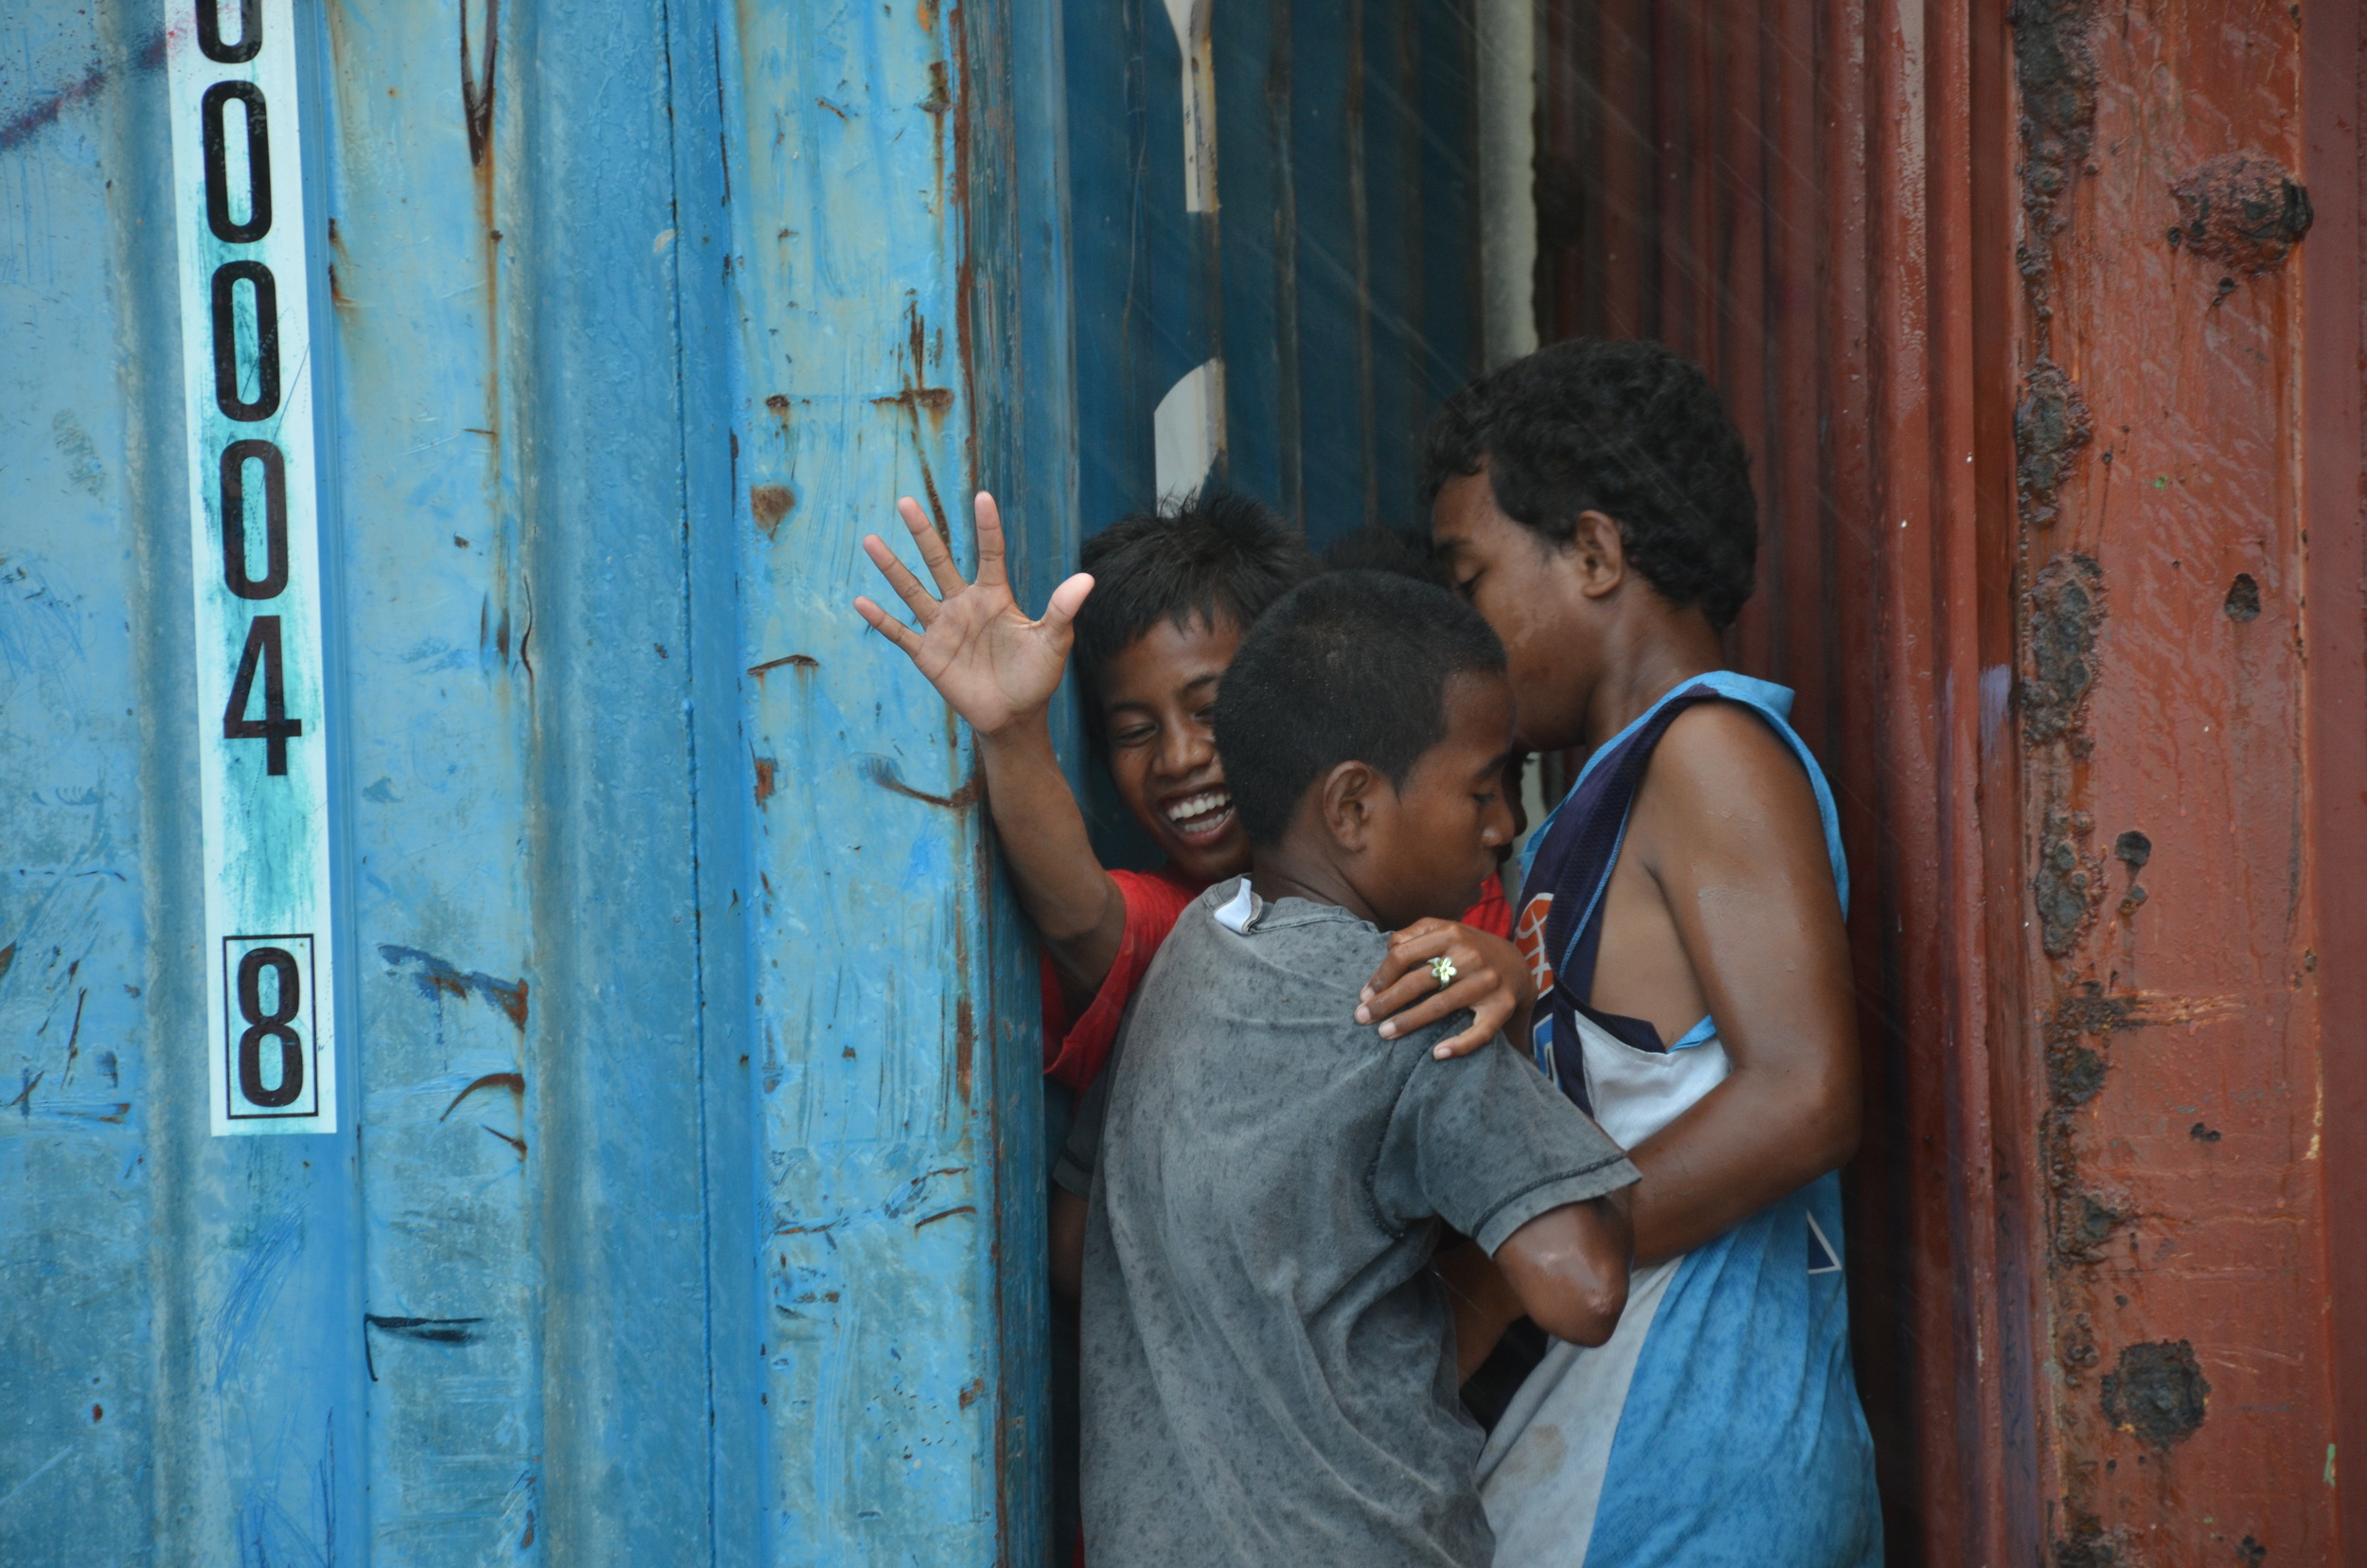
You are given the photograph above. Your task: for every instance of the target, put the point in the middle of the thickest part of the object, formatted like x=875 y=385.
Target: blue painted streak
x=188 y=1378
x=879 y=1047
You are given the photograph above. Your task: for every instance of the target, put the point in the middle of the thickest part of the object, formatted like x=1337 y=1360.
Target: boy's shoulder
x=1726 y=762
x=1316 y=945
x=1287 y=969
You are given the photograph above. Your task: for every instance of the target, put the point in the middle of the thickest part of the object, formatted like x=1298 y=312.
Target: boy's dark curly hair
x=1632 y=429
x=1218 y=558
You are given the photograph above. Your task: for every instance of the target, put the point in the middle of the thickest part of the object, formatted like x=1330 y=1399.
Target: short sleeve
x=1486 y=1143
x=1076 y=1048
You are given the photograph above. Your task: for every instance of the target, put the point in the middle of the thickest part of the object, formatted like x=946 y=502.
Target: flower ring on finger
x=1442 y=969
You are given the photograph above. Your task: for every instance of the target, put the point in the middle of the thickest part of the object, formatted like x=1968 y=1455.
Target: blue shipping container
x=671 y=1187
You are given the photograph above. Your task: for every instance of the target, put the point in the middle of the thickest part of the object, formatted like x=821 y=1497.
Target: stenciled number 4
x=275 y=728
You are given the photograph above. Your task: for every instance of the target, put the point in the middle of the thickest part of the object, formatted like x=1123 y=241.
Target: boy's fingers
x=1068 y=599
x=922 y=603
x=989 y=541
x=1488 y=1013
x=933 y=551
x=888 y=626
x=1410 y=955
x=1465 y=1044
x=1418 y=1000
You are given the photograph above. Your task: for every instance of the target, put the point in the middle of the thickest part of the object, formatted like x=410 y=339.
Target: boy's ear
x=1600 y=554
x=1347 y=798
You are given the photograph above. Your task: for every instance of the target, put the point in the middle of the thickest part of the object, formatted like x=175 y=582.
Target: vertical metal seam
x=1361 y=242
x=1288 y=414
x=690 y=743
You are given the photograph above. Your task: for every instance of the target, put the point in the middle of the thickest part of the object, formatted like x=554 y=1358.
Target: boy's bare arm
x=1067 y=1236
x=1568 y=1269
x=1727 y=827
x=998 y=670
x=1483 y=1301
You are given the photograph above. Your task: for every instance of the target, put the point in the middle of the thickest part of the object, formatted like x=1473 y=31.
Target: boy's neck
x=1646 y=660
x=1279 y=873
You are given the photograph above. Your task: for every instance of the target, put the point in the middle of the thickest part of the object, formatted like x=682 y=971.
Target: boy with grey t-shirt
x=1269 y=1361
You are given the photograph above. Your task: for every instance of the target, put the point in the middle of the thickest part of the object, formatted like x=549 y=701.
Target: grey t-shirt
x=1269 y=1364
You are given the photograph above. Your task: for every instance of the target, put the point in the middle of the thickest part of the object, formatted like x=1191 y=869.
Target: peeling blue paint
x=689 y=1208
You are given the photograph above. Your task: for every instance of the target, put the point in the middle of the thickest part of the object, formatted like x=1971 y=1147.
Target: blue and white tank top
x=1721 y=1424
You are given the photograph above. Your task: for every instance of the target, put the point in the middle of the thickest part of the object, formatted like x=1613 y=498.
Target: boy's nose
x=1498 y=827
x=1188 y=748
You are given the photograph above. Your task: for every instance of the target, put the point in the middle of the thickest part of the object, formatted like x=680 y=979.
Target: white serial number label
x=255 y=543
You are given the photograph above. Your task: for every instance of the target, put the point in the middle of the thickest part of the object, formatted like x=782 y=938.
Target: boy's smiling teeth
x=1198 y=815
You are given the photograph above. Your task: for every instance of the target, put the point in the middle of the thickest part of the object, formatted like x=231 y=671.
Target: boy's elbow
x=1837 y=1120
x=1570 y=1268
x=1587 y=1310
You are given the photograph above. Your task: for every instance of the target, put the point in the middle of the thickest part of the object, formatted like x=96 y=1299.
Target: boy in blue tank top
x=1681 y=914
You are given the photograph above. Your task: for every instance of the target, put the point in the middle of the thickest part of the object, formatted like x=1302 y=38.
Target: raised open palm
x=976 y=645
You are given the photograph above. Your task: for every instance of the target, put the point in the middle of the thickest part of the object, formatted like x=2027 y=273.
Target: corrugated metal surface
x=1336 y=277
x=2059 y=444
x=664 y=1225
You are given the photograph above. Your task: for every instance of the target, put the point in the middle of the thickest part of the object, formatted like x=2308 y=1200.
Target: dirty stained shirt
x=1269 y=1362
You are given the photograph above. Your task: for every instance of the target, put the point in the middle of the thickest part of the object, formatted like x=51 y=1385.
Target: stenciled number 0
x=261 y=654
x=261 y=1025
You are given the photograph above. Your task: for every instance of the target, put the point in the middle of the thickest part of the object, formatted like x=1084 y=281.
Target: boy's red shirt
x=1077 y=1047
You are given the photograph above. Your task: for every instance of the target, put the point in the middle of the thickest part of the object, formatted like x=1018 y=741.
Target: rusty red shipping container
x=2044 y=326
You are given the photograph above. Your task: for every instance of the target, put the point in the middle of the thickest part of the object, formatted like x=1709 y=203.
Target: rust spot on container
x=2056 y=68
x=765 y=766
x=2088 y=1544
x=937 y=400
x=2084 y=1223
x=2157 y=1391
x=438 y=977
x=779 y=405
x=2051 y=427
x=768 y=504
x=917 y=395
x=965 y=1043
x=972 y=1392
x=2067 y=886
x=8 y=959
x=2243 y=210
x=476 y=81
x=880 y=770
x=2075 y=1071
x=2074 y=1074
x=2066 y=610
x=2243 y=599
x=514 y=1082
x=799 y=662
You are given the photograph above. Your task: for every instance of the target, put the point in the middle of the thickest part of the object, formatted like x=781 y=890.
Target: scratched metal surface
x=1342 y=293
x=2054 y=405
x=667 y=1226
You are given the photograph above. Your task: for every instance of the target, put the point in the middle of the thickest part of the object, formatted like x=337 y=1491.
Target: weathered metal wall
x=686 y=1039
x=2054 y=394
x=1331 y=267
